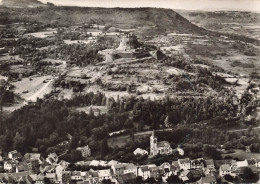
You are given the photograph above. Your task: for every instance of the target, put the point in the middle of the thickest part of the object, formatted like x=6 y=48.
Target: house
x=118 y=169
x=257 y=163
x=251 y=162
x=140 y=151
x=166 y=169
x=112 y=162
x=85 y=151
x=126 y=178
x=183 y=175
x=51 y=177
x=104 y=174
x=83 y=163
x=144 y=172
x=76 y=175
x=66 y=176
x=85 y=175
x=52 y=158
x=210 y=164
x=94 y=163
x=102 y=163
x=32 y=163
x=29 y=156
x=9 y=165
x=224 y=169
x=176 y=165
x=180 y=151
x=197 y=163
x=21 y=167
x=239 y=164
x=62 y=166
x=208 y=180
x=14 y=155
x=184 y=163
x=130 y=168
x=162 y=147
x=154 y=172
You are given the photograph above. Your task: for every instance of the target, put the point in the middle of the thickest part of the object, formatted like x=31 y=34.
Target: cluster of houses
x=32 y=168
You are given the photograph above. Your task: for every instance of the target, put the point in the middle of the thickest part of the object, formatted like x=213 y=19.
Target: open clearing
x=30 y=90
x=242 y=155
x=43 y=34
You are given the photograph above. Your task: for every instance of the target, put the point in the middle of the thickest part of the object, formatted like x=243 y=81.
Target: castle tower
x=127 y=42
x=153 y=145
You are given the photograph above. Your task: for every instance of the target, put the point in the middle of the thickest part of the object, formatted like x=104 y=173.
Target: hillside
x=22 y=3
x=235 y=22
x=157 y=19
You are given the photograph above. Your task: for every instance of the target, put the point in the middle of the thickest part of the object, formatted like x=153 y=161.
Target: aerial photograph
x=129 y=91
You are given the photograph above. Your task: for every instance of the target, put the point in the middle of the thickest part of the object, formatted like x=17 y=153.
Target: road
x=240 y=130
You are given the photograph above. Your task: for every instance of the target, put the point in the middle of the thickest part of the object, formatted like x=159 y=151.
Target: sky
x=208 y=5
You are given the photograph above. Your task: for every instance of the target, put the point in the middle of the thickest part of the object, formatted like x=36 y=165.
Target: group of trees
x=46 y=124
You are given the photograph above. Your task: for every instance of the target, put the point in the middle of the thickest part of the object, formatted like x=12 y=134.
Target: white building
x=85 y=151
x=130 y=168
x=180 y=151
x=140 y=151
x=224 y=169
x=144 y=172
x=184 y=163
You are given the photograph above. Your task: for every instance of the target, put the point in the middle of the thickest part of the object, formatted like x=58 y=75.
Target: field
x=43 y=34
x=118 y=141
x=35 y=88
x=242 y=155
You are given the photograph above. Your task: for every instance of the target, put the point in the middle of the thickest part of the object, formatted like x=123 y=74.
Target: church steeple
x=153 y=144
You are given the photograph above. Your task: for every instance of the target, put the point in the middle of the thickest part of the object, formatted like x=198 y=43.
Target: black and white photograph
x=129 y=91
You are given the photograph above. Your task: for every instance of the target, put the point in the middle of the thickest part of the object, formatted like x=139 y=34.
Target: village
x=33 y=168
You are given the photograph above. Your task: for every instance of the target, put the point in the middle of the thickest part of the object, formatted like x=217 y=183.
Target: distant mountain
x=22 y=3
x=148 y=21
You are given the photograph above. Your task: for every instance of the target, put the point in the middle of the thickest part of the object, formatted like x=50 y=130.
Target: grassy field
x=43 y=34
x=242 y=155
x=118 y=141
x=32 y=89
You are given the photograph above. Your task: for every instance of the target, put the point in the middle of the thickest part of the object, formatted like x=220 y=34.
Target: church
x=162 y=147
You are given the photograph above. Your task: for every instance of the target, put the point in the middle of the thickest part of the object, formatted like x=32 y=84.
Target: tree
x=229 y=178
x=91 y=112
x=150 y=180
x=248 y=175
x=76 y=155
x=139 y=179
x=74 y=142
x=106 y=181
x=19 y=142
x=104 y=148
x=211 y=152
x=174 y=179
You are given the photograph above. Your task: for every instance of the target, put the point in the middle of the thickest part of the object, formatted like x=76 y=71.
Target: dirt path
x=39 y=93
x=241 y=130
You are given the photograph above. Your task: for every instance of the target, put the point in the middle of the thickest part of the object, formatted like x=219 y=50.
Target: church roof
x=163 y=144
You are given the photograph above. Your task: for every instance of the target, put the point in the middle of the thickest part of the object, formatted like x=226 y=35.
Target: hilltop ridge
x=22 y=3
x=155 y=19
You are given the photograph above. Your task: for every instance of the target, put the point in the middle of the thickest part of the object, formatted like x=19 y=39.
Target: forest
x=47 y=123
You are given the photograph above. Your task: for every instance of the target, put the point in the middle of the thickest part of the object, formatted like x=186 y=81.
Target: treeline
x=81 y=55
